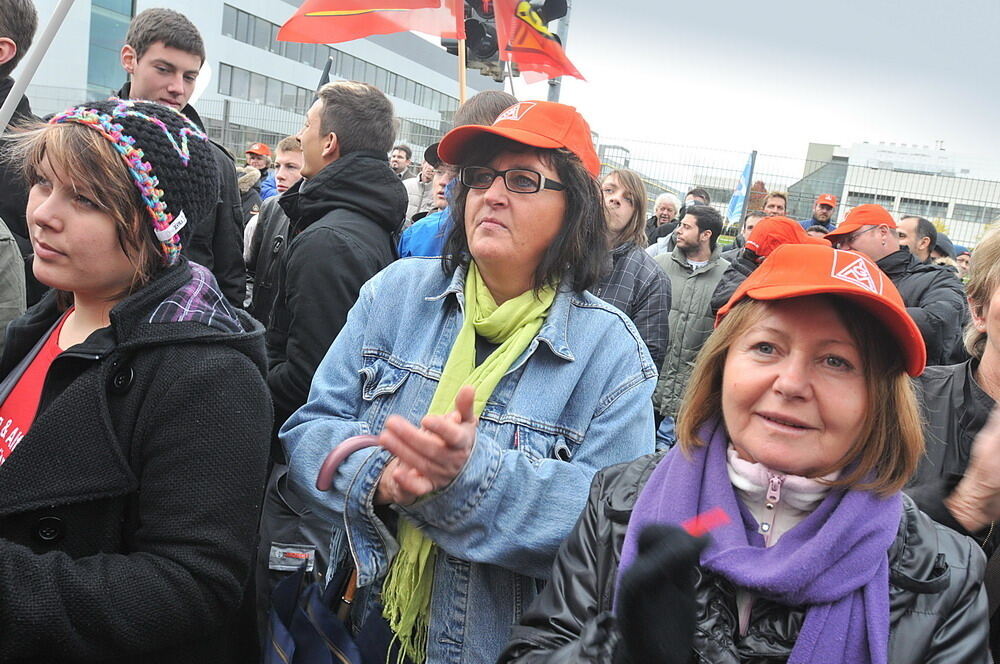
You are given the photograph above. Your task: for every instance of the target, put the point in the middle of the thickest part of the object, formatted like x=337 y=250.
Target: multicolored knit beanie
x=168 y=157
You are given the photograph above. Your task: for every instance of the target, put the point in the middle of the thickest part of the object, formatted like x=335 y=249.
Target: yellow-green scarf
x=406 y=594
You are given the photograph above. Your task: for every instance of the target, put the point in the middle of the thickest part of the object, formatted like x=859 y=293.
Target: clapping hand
x=428 y=458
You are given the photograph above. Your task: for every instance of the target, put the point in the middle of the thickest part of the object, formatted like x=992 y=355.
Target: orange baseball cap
x=772 y=232
x=540 y=124
x=797 y=270
x=259 y=148
x=869 y=214
x=826 y=199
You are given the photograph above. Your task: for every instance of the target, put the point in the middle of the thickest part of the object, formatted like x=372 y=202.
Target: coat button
x=49 y=529
x=122 y=380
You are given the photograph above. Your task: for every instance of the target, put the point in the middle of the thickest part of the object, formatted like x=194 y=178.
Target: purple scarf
x=835 y=562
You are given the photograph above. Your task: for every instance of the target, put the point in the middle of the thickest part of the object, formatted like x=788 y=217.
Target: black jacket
x=342 y=221
x=739 y=269
x=13 y=190
x=953 y=408
x=267 y=246
x=128 y=511
x=217 y=242
x=936 y=599
x=934 y=299
x=14 y=195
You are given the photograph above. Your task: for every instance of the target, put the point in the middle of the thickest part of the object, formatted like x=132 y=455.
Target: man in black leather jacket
x=934 y=576
x=162 y=55
x=933 y=295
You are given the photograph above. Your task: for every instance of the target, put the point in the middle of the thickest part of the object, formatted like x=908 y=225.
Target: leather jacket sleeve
x=571 y=620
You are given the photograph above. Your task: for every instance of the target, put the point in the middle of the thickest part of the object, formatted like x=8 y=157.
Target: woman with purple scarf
x=799 y=429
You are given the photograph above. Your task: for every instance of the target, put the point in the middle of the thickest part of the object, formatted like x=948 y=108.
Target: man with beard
x=823 y=210
x=695 y=267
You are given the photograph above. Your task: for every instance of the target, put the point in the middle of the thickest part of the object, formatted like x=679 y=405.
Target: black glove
x=656 y=601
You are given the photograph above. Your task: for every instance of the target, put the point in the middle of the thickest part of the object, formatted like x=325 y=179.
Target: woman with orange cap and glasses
x=798 y=430
x=497 y=386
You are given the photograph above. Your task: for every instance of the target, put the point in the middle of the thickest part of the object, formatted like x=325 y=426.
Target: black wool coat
x=128 y=512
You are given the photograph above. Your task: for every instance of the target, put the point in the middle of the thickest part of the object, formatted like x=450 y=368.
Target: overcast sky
x=775 y=75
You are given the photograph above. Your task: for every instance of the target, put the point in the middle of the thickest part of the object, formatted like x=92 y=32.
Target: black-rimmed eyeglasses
x=517 y=180
x=848 y=240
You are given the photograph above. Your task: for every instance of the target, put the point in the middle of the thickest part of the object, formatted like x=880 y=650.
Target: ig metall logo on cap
x=854 y=269
x=515 y=112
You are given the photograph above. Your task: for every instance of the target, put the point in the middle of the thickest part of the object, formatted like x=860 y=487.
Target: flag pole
x=461 y=72
x=34 y=57
x=746 y=198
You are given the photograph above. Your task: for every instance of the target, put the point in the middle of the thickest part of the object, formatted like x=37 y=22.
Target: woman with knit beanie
x=133 y=410
x=799 y=429
x=496 y=385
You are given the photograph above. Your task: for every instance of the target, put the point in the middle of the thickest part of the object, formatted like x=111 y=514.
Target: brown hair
x=891 y=440
x=777 y=194
x=289 y=144
x=170 y=27
x=94 y=169
x=359 y=114
x=635 y=191
x=483 y=107
x=18 y=22
x=984 y=279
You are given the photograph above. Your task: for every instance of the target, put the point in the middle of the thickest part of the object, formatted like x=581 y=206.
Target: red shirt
x=19 y=408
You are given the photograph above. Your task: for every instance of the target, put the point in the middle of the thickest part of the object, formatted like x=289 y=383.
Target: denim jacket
x=576 y=400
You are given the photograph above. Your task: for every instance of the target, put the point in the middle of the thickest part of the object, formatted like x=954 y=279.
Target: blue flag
x=736 y=203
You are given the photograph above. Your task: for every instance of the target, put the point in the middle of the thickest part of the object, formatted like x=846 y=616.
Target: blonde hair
x=886 y=452
x=635 y=229
x=983 y=281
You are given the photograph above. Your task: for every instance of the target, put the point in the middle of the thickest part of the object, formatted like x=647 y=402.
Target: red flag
x=525 y=40
x=332 y=21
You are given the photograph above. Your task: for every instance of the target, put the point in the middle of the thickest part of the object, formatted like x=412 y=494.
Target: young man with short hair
x=343 y=215
x=162 y=55
x=695 y=267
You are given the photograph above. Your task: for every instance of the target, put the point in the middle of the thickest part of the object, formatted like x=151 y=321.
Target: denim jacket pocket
x=538 y=445
x=382 y=383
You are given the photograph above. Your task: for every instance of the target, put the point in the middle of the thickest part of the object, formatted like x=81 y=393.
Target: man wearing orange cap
x=822 y=213
x=765 y=236
x=932 y=294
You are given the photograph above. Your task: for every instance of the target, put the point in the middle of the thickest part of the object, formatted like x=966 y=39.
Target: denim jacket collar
x=554 y=331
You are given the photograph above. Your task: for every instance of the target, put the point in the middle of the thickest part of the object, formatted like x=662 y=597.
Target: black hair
x=924 y=229
x=708 y=219
x=698 y=192
x=405 y=149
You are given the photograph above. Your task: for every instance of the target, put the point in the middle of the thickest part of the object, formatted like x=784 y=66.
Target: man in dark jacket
x=343 y=215
x=162 y=55
x=933 y=295
x=18 y=22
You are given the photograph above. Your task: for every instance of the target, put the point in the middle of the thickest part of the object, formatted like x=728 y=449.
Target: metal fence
x=959 y=206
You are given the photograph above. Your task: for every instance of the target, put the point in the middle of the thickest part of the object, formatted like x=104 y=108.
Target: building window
x=109 y=21
x=229 y=21
x=260 y=89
